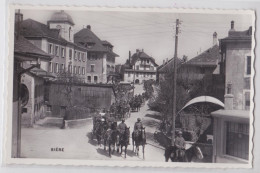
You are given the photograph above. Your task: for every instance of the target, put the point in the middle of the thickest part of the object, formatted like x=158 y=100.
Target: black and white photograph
x=135 y=86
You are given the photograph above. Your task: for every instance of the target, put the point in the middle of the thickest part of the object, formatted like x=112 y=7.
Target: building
x=101 y=58
x=231 y=125
x=139 y=67
x=57 y=39
x=203 y=68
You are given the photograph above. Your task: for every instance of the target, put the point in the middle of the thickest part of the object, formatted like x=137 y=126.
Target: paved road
x=77 y=144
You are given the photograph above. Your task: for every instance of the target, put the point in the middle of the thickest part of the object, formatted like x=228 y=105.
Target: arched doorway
x=24 y=95
x=137 y=81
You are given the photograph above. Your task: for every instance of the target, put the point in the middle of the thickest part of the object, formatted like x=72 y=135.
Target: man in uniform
x=138 y=126
x=121 y=128
x=180 y=145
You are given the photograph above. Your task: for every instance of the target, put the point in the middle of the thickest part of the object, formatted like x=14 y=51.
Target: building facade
x=139 y=68
x=231 y=125
x=57 y=39
x=100 y=57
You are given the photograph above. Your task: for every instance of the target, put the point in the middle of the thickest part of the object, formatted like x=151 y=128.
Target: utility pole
x=174 y=82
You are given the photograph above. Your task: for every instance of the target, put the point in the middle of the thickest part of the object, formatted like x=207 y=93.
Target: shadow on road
x=90 y=140
x=129 y=153
x=102 y=152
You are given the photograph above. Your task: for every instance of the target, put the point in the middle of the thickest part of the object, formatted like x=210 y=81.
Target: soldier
x=180 y=145
x=138 y=125
x=121 y=127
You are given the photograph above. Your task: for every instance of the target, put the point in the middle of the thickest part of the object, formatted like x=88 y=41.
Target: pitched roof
x=169 y=65
x=32 y=28
x=209 y=57
x=24 y=46
x=141 y=55
x=86 y=36
x=239 y=35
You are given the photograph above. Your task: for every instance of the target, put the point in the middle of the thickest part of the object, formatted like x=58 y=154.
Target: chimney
x=215 y=38
x=129 y=56
x=18 y=17
x=229 y=98
x=163 y=62
x=166 y=60
x=18 y=20
x=232 y=26
x=137 y=50
x=89 y=27
x=142 y=50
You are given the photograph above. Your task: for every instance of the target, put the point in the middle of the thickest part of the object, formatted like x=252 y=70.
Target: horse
x=99 y=133
x=139 y=138
x=111 y=138
x=124 y=140
x=188 y=154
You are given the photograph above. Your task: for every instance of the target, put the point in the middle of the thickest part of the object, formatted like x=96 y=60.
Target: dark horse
x=111 y=138
x=139 y=138
x=99 y=133
x=188 y=155
x=124 y=140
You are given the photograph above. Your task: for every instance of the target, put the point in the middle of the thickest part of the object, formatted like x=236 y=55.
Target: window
x=247 y=100
x=49 y=108
x=137 y=67
x=95 y=79
x=92 y=66
x=83 y=57
x=151 y=68
x=92 y=56
x=75 y=70
x=248 y=65
x=137 y=74
x=50 y=49
x=57 y=50
x=237 y=139
x=79 y=70
x=50 y=67
x=89 y=79
x=69 y=32
x=62 y=68
x=79 y=56
x=148 y=61
x=62 y=52
x=70 y=68
x=75 y=55
x=56 y=67
x=144 y=74
x=129 y=74
x=83 y=70
x=70 y=53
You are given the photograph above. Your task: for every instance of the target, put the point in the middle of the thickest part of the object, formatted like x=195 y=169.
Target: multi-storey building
x=140 y=67
x=231 y=125
x=57 y=39
x=100 y=57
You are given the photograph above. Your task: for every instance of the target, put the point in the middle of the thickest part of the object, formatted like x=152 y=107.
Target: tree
x=67 y=80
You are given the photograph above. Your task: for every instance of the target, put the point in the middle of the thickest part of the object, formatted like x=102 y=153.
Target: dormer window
x=90 y=45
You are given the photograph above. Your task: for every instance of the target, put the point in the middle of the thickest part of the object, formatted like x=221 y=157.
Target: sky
x=152 y=32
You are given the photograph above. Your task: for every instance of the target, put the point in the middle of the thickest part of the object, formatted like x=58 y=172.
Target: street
x=76 y=143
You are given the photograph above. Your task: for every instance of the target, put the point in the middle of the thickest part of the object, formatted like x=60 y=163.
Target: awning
x=203 y=99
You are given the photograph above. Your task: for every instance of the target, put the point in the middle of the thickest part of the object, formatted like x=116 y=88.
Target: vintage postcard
x=130 y=87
